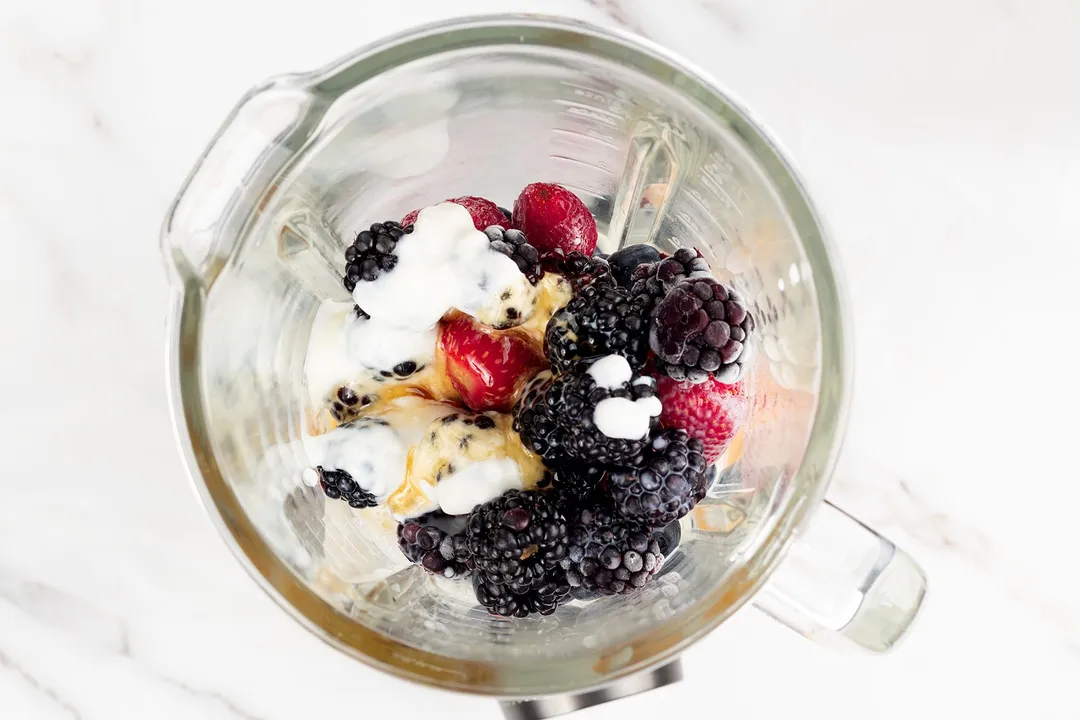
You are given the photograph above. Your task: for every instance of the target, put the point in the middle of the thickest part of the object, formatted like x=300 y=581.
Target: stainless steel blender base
x=553 y=705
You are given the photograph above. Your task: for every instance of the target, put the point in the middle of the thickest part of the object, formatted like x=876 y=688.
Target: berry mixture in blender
x=533 y=417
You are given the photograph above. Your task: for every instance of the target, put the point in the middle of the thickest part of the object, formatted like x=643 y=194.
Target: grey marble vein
x=211 y=696
x=38 y=686
x=936 y=528
x=720 y=10
x=66 y=612
x=618 y=13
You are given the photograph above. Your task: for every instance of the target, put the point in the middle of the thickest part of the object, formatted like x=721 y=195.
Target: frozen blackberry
x=555 y=419
x=600 y=320
x=542 y=599
x=667 y=484
x=668 y=538
x=625 y=261
x=433 y=549
x=339 y=485
x=702 y=328
x=712 y=473
x=653 y=281
x=507 y=214
x=517 y=542
x=573 y=487
x=512 y=244
x=581 y=270
x=372 y=252
x=612 y=557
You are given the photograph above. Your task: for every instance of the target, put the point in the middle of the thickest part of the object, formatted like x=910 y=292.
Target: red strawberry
x=710 y=410
x=484 y=212
x=555 y=220
x=488 y=367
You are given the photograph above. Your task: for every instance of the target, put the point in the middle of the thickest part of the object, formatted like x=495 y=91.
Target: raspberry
x=702 y=328
x=484 y=213
x=555 y=220
x=711 y=411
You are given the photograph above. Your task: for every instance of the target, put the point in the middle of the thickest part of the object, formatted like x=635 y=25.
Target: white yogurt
x=374 y=449
x=622 y=418
x=342 y=347
x=444 y=263
x=611 y=372
x=626 y=419
x=477 y=483
x=367 y=449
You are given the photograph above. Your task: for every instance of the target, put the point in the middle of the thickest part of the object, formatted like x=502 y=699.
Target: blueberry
x=623 y=262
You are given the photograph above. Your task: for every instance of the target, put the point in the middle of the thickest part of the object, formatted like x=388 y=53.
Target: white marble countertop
x=940 y=139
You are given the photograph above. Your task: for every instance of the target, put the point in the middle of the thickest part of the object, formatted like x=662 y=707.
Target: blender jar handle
x=841 y=583
x=229 y=182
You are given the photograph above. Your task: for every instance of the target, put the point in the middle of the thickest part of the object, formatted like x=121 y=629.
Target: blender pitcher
x=660 y=154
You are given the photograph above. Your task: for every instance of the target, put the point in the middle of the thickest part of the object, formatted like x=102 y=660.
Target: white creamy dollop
x=622 y=418
x=342 y=347
x=477 y=483
x=374 y=449
x=462 y=462
x=369 y=450
x=611 y=372
x=444 y=263
x=626 y=419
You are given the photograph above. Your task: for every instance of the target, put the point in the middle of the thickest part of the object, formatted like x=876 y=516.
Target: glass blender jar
x=660 y=154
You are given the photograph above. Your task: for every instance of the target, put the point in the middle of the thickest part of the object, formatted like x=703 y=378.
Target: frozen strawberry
x=710 y=410
x=555 y=220
x=484 y=212
x=487 y=367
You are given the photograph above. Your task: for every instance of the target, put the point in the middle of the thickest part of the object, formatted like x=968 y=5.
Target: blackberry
x=573 y=487
x=625 y=260
x=512 y=244
x=666 y=487
x=507 y=214
x=554 y=418
x=702 y=328
x=433 y=549
x=668 y=538
x=712 y=473
x=339 y=485
x=601 y=320
x=653 y=281
x=580 y=270
x=517 y=541
x=612 y=557
x=500 y=600
x=372 y=252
